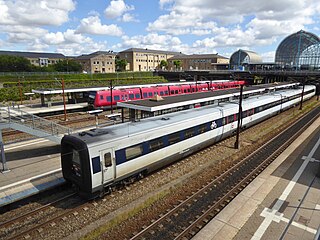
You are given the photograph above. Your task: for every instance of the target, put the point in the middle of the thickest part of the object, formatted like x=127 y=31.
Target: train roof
x=168 y=102
x=124 y=130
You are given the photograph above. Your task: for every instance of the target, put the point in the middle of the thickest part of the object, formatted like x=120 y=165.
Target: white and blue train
x=100 y=158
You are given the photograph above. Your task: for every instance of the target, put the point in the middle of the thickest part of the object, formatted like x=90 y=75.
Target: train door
x=108 y=165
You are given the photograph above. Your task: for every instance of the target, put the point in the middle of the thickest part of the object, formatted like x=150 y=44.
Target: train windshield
x=76 y=169
x=91 y=97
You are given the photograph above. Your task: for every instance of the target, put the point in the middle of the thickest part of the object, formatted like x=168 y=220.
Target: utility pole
x=236 y=144
x=20 y=91
x=64 y=101
x=111 y=96
x=302 y=94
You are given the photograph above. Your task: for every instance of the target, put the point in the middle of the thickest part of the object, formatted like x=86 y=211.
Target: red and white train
x=103 y=98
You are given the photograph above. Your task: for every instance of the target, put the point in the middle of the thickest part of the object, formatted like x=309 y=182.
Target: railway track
x=24 y=225
x=188 y=217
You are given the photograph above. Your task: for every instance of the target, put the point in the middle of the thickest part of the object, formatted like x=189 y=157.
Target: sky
x=75 y=27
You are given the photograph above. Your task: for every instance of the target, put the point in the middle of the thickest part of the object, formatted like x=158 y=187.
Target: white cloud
x=117 y=8
x=165 y=2
x=127 y=17
x=235 y=23
x=72 y=43
x=152 y=41
x=35 y=13
x=92 y=25
x=268 y=56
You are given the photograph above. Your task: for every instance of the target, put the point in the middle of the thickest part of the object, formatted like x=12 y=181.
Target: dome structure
x=244 y=57
x=296 y=47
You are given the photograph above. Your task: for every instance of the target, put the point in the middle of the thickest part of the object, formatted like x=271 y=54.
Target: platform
x=55 y=107
x=283 y=202
x=34 y=167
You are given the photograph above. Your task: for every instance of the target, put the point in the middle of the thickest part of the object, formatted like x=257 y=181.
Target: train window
x=189 y=133
x=131 y=96
x=145 y=95
x=172 y=91
x=101 y=97
x=188 y=90
x=133 y=152
x=230 y=119
x=176 y=92
x=137 y=95
x=107 y=160
x=155 y=93
x=76 y=163
x=96 y=167
x=174 y=138
x=116 y=97
x=202 y=128
x=185 y=90
x=166 y=92
x=161 y=93
x=155 y=144
x=150 y=94
x=108 y=98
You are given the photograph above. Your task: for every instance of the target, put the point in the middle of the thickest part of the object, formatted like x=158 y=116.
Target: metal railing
x=9 y=115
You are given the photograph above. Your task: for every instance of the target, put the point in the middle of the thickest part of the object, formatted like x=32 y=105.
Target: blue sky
x=75 y=27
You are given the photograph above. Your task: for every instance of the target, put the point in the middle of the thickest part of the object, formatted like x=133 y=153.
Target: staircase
x=17 y=119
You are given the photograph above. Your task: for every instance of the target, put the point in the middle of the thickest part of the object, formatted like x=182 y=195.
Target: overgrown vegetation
x=21 y=64
x=11 y=89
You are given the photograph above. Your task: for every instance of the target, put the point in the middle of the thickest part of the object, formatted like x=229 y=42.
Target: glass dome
x=297 y=49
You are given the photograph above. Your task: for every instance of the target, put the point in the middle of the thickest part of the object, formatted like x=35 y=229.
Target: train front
x=75 y=164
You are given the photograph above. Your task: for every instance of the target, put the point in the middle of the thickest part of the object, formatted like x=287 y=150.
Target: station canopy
x=244 y=57
x=300 y=49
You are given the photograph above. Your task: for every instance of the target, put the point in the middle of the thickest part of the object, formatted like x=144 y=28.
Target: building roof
x=94 y=54
x=245 y=56
x=292 y=47
x=32 y=54
x=146 y=50
x=196 y=56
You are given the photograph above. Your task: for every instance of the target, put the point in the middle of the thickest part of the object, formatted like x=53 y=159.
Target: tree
x=14 y=64
x=163 y=64
x=177 y=63
x=68 y=65
x=121 y=64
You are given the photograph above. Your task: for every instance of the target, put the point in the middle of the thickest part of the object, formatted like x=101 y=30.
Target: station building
x=243 y=59
x=98 y=62
x=299 y=51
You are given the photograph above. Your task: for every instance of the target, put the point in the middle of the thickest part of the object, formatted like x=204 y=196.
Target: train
x=103 y=98
x=96 y=160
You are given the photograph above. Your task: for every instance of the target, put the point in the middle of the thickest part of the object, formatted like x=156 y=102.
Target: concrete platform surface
x=283 y=202
x=34 y=167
